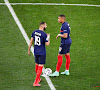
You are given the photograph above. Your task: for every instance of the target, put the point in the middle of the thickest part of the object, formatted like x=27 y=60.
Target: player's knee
x=41 y=64
x=60 y=54
x=36 y=64
x=67 y=53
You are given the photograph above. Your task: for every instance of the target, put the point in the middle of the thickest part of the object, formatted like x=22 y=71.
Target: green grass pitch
x=17 y=69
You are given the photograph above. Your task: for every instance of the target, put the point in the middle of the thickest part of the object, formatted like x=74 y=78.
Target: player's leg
x=40 y=67
x=58 y=66
x=60 y=60
x=36 y=62
x=59 y=63
x=36 y=83
x=67 y=64
x=68 y=60
x=36 y=67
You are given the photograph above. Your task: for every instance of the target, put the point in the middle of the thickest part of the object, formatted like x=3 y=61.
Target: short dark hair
x=42 y=22
x=62 y=15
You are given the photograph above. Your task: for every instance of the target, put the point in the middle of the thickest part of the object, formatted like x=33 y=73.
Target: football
x=47 y=71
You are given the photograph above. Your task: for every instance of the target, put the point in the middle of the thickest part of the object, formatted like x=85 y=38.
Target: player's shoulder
x=65 y=24
x=39 y=31
x=44 y=34
x=35 y=31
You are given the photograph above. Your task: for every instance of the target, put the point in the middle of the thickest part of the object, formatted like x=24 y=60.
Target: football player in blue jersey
x=40 y=38
x=64 y=49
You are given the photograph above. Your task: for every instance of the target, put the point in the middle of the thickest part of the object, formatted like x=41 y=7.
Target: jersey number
x=37 y=41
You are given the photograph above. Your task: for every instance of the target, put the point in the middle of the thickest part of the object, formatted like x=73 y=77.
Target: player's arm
x=47 y=43
x=48 y=39
x=31 y=42
x=65 y=35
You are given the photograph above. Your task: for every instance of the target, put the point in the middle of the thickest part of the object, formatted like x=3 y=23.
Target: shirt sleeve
x=65 y=29
x=32 y=35
x=46 y=40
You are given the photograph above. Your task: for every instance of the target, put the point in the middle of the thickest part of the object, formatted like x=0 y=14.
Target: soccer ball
x=47 y=71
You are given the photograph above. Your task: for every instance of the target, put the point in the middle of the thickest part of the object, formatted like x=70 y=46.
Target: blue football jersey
x=40 y=38
x=65 y=28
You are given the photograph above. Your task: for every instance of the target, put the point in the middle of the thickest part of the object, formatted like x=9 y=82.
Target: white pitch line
x=26 y=38
x=2 y=4
x=61 y=4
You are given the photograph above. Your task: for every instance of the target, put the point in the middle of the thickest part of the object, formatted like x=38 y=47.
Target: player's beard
x=44 y=28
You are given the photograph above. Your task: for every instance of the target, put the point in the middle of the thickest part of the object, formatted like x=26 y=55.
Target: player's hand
x=57 y=36
x=48 y=36
x=29 y=53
